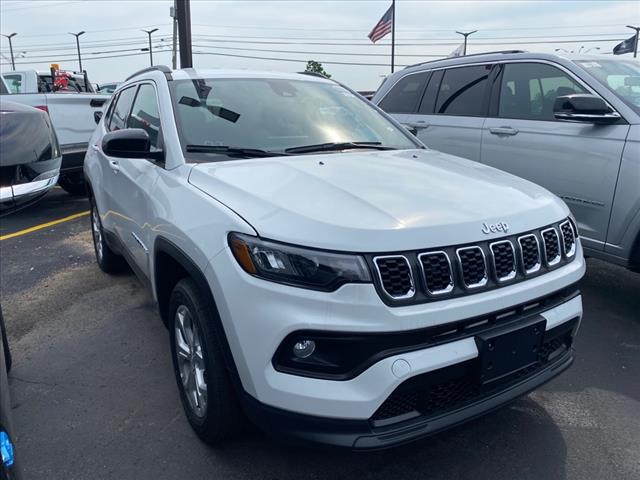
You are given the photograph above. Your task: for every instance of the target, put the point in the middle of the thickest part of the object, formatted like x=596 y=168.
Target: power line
x=41 y=5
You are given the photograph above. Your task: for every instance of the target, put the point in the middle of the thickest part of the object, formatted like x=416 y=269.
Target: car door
x=452 y=111
x=133 y=184
x=577 y=161
x=116 y=119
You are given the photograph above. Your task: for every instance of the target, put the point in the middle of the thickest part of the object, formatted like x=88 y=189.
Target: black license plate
x=509 y=350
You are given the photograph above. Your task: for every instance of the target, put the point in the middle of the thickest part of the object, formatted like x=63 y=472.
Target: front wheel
x=73 y=184
x=205 y=388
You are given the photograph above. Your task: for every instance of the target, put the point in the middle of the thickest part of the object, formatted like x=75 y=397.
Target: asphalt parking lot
x=94 y=395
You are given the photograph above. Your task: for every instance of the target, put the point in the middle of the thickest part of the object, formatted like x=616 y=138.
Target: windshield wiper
x=233 y=151
x=331 y=146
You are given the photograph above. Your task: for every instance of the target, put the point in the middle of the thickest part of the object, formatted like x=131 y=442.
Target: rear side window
x=462 y=91
x=14 y=82
x=529 y=90
x=145 y=115
x=122 y=108
x=405 y=95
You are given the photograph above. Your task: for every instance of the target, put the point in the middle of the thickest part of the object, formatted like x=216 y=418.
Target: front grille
x=551 y=246
x=504 y=260
x=436 y=272
x=473 y=266
x=568 y=239
x=458 y=270
x=436 y=393
x=530 y=253
x=396 y=276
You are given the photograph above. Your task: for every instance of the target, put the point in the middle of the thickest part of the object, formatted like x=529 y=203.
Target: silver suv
x=318 y=267
x=571 y=125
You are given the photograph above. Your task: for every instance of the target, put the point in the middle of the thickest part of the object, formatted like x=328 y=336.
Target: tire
x=5 y=343
x=73 y=184
x=107 y=259
x=212 y=411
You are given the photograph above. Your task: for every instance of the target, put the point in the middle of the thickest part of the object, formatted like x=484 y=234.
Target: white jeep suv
x=318 y=268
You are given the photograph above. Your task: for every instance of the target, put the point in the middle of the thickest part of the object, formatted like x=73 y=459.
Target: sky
x=283 y=35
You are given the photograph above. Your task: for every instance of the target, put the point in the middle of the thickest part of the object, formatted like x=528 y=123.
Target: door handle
x=503 y=131
x=417 y=125
x=113 y=164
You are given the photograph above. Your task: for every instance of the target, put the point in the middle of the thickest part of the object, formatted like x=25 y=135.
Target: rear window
x=405 y=94
x=462 y=91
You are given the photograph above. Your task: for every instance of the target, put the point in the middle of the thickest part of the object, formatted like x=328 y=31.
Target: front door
x=579 y=162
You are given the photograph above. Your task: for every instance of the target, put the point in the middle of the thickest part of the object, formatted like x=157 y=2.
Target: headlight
x=302 y=267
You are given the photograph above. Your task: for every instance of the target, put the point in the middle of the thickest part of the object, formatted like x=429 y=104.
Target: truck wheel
x=5 y=343
x=205 y=388
x=73 y=184
x=107 y=259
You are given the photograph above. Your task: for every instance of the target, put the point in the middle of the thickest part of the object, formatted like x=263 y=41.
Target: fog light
x=304 y=348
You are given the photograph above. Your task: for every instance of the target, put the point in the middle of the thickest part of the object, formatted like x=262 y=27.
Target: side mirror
x=129 y=143
x=584 y=107
x=97 y=116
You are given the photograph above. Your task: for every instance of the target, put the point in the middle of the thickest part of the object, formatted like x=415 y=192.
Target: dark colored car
x=29 y=155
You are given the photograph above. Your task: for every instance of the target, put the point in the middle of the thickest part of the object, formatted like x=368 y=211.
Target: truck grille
x=461 y=270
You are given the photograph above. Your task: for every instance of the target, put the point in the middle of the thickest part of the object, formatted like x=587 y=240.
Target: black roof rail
x=161 y=68
x=465 y=56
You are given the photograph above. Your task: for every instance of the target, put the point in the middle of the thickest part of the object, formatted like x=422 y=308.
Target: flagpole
x=393 y=34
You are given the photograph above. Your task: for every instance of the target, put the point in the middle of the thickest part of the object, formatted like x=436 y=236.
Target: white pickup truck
x=72 y=112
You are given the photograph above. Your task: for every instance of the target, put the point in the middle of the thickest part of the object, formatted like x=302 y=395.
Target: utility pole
x=183 y=12
x=77 y=35
x=149 y=32
x=172 y=14
x=465 y=35
x=10 y=36
x=635 y=50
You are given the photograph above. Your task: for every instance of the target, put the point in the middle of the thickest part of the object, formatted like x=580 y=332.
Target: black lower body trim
x=361 y=435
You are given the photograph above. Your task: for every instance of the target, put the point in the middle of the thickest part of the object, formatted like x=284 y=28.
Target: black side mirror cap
x=129 y=143
x=97 y=116
x=584 y=107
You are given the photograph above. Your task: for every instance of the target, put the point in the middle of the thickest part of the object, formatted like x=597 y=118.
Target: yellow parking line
x=44 y=225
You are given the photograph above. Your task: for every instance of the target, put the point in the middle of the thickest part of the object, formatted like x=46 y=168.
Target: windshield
x=620 y=76
x=274 y=115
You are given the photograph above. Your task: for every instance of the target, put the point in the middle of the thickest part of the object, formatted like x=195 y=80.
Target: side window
x=462 y=91
x=122 y=108
x=145 y=114
x=109 y=112
x=405 y=95
x=529 y=90
x=14 y=82
x=429 y=99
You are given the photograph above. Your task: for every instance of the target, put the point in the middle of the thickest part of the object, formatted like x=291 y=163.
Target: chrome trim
x=140 y=242
x=484 y=280
x=571 y=252
x=537 y=266
x=29 y=188
x=424 y=275
x=557 y=259
x=511 y=275
x=411 y=292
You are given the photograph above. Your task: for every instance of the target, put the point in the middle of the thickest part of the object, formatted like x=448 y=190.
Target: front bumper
x=22 y=194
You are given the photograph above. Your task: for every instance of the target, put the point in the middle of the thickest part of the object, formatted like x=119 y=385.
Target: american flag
x=383 y=27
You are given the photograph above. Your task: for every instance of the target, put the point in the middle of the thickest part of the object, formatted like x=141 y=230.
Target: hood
x=376 y=201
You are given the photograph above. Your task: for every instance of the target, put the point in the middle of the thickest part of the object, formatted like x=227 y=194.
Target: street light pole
x=149 y=32
x=465 y=35
x=635 y=50
x=77 y=35
x=183 y=13
x=10 y=36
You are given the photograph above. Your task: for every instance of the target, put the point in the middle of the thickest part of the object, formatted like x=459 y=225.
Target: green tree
x=316 y=67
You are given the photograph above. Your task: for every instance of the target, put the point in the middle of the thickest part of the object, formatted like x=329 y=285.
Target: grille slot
x=395 y=276
x=473 y=266
x=436 y=272
x=504 y=260
x=529 y=253
x=551 y=242
x=568 y=239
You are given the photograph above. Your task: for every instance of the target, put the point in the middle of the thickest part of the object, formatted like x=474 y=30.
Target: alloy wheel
x=190 y=358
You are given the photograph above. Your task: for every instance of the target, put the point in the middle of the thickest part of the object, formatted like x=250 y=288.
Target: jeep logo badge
x=488 y=228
